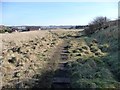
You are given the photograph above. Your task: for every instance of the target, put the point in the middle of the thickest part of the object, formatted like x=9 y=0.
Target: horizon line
x=42 y=25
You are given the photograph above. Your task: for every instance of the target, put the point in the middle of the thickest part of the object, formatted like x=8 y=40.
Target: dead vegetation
x=25 y=55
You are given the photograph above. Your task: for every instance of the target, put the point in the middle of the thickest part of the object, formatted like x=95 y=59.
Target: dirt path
x=61 y=78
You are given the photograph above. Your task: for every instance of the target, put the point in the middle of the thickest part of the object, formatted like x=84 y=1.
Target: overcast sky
x=56 y=13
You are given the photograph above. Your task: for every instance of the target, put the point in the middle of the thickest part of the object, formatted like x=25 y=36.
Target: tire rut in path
x=61 y=78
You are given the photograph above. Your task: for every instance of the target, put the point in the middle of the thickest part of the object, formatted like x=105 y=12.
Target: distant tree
x=78 y=27
x=97 y=24
x=100 y=22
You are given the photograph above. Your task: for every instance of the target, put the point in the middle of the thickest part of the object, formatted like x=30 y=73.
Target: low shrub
x=17 y=74
x=86 y=52
x=85 y=47
x=104 y=47
x=98 y=53
x=93 y=49
x=80 y=49
x=94 y=41
x=12 y=60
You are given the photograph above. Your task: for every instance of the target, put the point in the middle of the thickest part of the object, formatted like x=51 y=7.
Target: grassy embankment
x=96 y=63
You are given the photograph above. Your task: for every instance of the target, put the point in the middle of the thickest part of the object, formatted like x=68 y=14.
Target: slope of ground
x=96 y=63
x=108 y=42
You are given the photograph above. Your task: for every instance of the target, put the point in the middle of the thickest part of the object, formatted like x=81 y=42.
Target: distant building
x=20 y=28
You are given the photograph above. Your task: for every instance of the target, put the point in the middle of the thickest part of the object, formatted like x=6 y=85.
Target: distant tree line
x=5 y=29
x=80 y=27
x=8 y=29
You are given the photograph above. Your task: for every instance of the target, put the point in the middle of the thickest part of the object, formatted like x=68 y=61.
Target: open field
x=45 y=58
x=25 y=54
x=18 y=37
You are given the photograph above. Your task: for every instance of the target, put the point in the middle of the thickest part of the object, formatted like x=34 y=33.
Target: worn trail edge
x=61 y=78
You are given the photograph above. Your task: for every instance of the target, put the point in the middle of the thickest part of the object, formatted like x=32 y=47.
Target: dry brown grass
x=27 y=53
x=34 y=54
x=22 y=36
